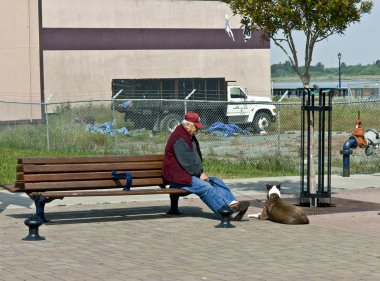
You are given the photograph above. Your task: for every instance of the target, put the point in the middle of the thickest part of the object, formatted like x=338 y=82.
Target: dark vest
x=172 y=170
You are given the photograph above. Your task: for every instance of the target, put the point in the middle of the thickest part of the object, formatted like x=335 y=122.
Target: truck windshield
x=237 y=93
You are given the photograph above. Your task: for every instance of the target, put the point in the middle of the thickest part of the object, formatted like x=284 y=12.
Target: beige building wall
x=87 y=74
x=136 y=14
x=83 y=75
x=19 y=57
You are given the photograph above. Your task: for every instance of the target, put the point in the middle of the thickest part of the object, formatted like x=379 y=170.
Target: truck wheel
x=262 y=121
x=169 y=123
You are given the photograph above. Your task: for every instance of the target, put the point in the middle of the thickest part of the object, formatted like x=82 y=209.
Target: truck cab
x=245 y=110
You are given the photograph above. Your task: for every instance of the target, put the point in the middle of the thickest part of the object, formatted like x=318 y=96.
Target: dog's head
x=273 y=191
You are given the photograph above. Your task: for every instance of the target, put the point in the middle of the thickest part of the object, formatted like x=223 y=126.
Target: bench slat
x=111 y=193
x=95 y=184
x=54 y=168
x=90 y=159
x=85 y=176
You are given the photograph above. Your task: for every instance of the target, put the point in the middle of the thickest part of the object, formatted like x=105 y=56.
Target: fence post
x=279 y=121
x=278 y=127
x=113 y=107
x=47 y=126
x=187 y=97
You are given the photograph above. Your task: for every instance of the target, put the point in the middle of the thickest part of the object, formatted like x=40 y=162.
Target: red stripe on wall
x=146 y=39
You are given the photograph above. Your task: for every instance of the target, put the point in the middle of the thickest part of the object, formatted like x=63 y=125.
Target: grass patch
x=266 y=166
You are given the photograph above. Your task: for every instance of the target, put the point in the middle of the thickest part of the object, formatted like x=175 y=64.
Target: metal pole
x=340 y=72
x=187 y=97
x=340 y=77
x=113 y=107
x=47 y=126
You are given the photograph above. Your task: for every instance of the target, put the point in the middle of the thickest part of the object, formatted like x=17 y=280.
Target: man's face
x=192 y=129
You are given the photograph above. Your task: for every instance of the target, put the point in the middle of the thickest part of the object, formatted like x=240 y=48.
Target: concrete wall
x=19 y=57
x=136 y=14
x=72 y=76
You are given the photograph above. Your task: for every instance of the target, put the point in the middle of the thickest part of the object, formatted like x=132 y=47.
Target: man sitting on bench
x=183 y=168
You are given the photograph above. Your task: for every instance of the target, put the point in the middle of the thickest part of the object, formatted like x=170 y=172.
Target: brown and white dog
x=277 y=210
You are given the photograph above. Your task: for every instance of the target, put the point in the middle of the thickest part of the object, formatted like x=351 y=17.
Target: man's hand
x=204 y=177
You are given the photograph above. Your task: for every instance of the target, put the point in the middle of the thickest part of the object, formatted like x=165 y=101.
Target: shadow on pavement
x=118 y=214
x=287 y=187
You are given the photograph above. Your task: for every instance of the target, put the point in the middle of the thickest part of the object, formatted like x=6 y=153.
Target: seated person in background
x=183 y=168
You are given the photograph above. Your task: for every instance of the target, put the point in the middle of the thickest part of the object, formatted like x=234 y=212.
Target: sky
x=359 y=45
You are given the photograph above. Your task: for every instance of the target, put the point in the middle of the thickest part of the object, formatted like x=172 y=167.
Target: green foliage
x=63 y=107
x=66 y=129
x=23 y=137
x=280 y=20
x=283 y=70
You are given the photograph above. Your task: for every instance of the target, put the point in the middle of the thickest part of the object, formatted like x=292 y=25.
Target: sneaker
x=240 y=208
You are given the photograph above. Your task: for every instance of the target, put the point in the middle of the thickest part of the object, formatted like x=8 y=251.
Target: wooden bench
x=45 y=179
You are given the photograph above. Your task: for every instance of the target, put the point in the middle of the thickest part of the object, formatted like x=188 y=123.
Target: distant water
x=330 y=84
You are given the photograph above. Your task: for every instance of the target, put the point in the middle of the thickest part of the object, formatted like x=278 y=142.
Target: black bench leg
x=40 y=207
x=33 y=222
x=174 y=205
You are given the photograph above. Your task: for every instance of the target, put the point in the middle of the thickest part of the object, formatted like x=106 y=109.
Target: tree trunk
x=311 y=173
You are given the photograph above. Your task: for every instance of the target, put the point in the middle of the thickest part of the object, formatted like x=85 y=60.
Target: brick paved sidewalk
x=131 y=241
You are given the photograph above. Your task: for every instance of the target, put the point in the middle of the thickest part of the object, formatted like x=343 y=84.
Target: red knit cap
x=194 y=118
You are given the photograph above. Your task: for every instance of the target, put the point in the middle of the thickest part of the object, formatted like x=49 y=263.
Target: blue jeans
x=214 y=193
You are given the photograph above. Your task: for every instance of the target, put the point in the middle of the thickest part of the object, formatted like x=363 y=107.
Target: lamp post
x=340 y=73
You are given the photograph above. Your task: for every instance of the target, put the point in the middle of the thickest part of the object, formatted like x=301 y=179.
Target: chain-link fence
x=143 y=126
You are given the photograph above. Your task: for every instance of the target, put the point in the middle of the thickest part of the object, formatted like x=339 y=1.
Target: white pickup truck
x=160 y=104
x=246 y=110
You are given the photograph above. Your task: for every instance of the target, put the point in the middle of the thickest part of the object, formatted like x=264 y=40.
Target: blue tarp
x=226 y=130
x=106 y=129
x=126 y=104
x=217 y=129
